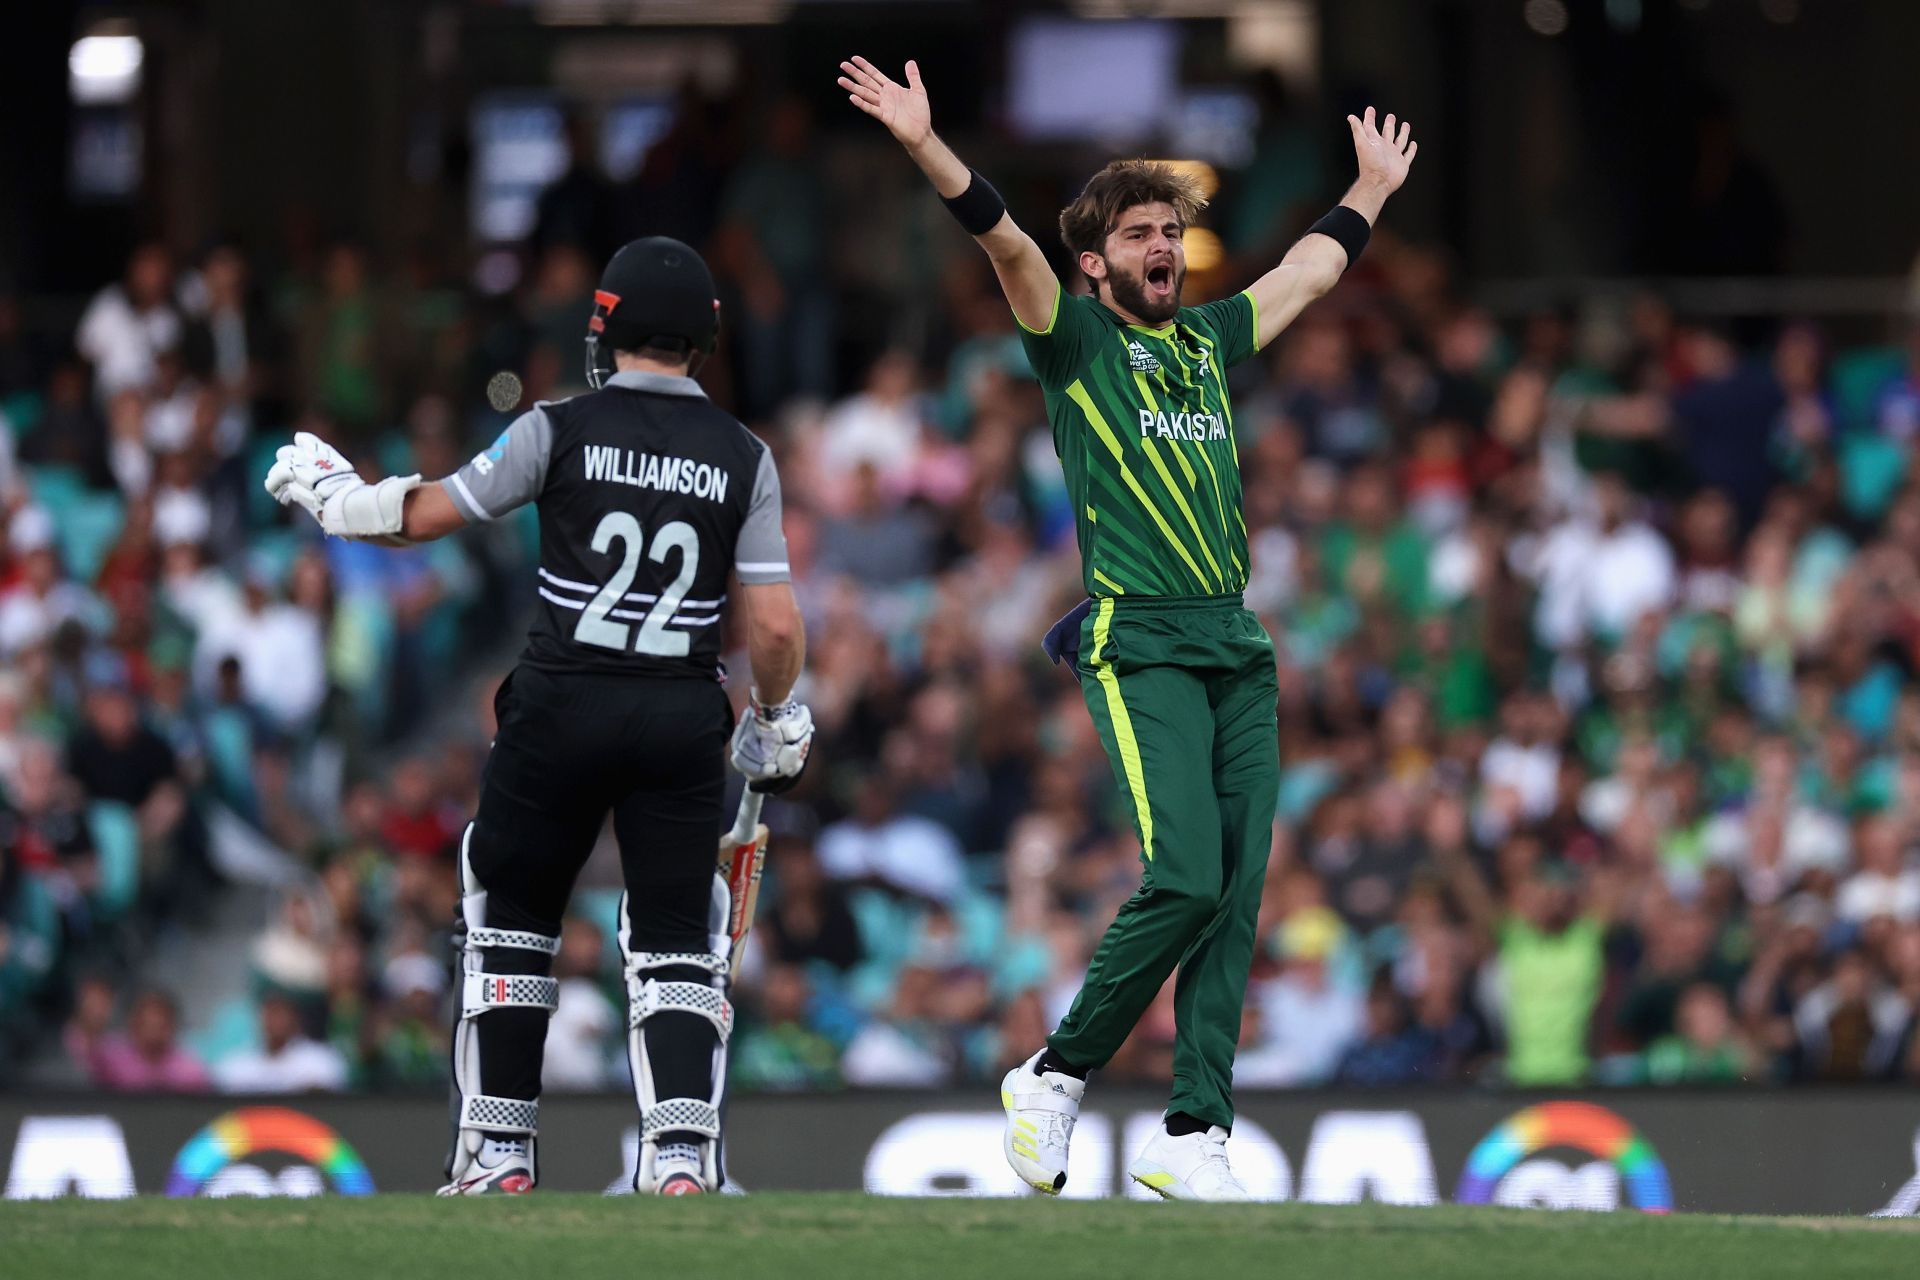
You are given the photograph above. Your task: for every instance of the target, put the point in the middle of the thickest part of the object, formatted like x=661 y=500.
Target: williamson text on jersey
x=652 y=471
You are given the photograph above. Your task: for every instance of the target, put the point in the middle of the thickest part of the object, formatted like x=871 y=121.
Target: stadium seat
x=116 y=842
x=56 y=488
x=602 y=908
x=33 y=944
x=87 y=531
x=22 y=412
x=1858 y=379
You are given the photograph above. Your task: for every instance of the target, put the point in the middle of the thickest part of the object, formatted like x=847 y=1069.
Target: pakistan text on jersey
x=1183 y=426
x=651 y=471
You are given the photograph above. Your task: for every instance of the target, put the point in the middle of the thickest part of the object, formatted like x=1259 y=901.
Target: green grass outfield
x=795 y=1237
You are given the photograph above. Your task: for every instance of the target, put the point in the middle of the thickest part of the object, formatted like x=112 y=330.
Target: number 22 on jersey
x=597 y=628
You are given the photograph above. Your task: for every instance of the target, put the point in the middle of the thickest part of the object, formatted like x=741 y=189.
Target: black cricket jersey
x=649 y=497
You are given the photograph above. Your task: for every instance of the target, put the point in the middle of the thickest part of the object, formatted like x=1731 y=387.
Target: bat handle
x=748 y=817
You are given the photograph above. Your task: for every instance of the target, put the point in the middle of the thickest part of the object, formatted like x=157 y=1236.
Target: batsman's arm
x=430 y=514
x=506 y=475
x=1028 y=282
x=776 y=639
x=399 y=510
x=1316 y=261
x=776 y=635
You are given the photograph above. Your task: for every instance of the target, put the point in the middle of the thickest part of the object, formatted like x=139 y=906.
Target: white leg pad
x=477 y=1113
x=483 y=991
x=684 y=997
x=502 y=1115
x=648 y=996
x=691 y=1114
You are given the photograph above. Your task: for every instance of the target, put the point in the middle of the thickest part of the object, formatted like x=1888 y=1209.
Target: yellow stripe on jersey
x=1052 y=319
x=1226 y=409
x=1108 y=583
x=1159 y=464
x=1220 y=504
x=1193 y=477
x=1123 y=729
x=1219 y=501
x=1077 y=392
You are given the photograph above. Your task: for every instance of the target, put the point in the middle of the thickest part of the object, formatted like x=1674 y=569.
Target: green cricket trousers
x=1184 y=695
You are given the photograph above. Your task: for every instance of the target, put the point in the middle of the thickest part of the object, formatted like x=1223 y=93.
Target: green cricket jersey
x=1144 y=430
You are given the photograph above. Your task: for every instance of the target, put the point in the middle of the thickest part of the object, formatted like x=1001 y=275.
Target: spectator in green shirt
x=410 y=1039
x=1550 y=946
x=1374 y=554
x=1551 y=966
x=1706 y=1047
x=778 y=1049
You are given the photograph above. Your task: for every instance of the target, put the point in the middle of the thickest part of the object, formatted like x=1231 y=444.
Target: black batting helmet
x=653 y=289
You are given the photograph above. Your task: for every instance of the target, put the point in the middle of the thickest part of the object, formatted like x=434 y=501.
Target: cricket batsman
x=1177 y=673
x=652 y=502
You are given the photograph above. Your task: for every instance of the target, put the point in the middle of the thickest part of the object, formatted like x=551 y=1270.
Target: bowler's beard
x=1131 y=293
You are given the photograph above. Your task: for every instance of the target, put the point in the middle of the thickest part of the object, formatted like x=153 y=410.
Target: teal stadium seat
x=262 y=511
x=1858 y=378
x=86 y=522
x=22 y=411
x=33 y=938
x=602 y=907
x=116 y=842
x=233 y=1028
x=56 y=487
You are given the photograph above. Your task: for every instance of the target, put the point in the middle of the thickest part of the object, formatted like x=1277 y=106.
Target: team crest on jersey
x=1141 y=360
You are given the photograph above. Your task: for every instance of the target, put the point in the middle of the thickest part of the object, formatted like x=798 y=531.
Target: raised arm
x=1314 y=264
x=1028 y=282
x=400 y=509
x=1470 y=893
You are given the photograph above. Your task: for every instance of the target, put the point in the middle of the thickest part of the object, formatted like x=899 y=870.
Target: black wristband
x=1348 y=226
x=979 y=208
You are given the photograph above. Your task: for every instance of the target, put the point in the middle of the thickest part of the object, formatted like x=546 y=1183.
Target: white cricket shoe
x=1192 y=1166
x=1041 y=1110
x=679 y=1171
x=503 y=1168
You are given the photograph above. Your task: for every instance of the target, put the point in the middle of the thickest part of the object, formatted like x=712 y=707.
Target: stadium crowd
x=1595 y=633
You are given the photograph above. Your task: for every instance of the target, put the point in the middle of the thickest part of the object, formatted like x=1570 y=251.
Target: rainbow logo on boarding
x=1580 y=1126
x=212 y=1160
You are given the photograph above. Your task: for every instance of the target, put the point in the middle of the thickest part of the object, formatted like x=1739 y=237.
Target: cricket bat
x=743 y=858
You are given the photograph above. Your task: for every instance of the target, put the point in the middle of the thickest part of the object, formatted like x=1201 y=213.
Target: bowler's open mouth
x=1160 y=280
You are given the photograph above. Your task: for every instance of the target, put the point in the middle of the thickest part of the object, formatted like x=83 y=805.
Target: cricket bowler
x=1177 y=673
x=650 y=498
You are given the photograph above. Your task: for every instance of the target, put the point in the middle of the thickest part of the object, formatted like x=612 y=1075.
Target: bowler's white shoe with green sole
x=1192 y=1166
x=1041 y=1110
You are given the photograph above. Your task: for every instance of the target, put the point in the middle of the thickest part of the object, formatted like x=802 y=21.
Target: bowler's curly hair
x=1089 y=220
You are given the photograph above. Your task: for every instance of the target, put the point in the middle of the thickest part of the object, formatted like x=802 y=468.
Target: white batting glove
x=771 y=744
x=308 y=471
x=315 y=475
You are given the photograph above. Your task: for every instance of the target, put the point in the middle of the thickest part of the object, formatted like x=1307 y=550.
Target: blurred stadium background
x=1585 y=513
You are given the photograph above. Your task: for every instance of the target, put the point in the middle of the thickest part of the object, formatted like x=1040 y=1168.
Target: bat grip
x=748 y=817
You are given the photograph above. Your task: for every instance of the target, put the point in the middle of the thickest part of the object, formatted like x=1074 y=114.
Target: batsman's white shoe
x=1192 y=1166
x=501 y=1169
x=679 y=1171
x=1041 y=1110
